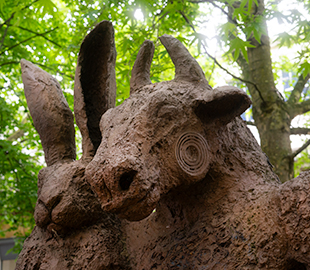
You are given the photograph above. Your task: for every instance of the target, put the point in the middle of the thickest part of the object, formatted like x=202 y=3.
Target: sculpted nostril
x=126 y=179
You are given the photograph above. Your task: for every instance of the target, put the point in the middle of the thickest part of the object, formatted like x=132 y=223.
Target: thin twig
x=234 y=76
x=211 y=2
x=7 y=20
x=33 y=32
x=9 y=63
x=4 y=35
x=212 y=70
x=250 y=123
x=13 y=14
x=217 y=63
x=27 y=39
x=47 y=67
x=299 y=150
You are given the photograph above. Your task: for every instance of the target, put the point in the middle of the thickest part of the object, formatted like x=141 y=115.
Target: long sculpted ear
x=140 y=74
x=186 y=66
x=95 y=84
x=222 y=104
x=50 y=112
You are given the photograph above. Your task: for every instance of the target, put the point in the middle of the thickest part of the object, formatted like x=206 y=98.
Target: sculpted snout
x=65 y=200
x=131 y=185
x=124 y=186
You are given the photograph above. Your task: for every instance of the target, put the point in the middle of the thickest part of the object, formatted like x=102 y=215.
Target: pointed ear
x=221 y=104
x=50 y=113
x=94 y=84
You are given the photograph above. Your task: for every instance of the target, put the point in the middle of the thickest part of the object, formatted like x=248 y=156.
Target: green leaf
x=285 y=39
x=227 y=29
x=237 y=45
x=48 y=6
x=256 y=2
x=250 y=7
x=304 y=69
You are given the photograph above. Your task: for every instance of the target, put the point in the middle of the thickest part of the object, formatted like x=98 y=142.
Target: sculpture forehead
x=153 y=107
x=155 y=112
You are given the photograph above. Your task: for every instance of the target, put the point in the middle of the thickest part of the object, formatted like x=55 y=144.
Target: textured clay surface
x=177 y=182
x=50 y=113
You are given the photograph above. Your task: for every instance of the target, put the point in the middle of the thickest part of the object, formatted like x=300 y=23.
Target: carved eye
x=192 y=153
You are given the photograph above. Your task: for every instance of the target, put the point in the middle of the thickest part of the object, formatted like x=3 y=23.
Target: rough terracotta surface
x=94 y=84
x=140 y=74
x=94 y=247
x=50 y=113
x=177 y=182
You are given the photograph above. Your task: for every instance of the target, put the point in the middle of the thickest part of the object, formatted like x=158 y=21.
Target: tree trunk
x=270 y=111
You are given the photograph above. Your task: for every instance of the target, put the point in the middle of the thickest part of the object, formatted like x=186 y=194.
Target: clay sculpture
x=170 y=179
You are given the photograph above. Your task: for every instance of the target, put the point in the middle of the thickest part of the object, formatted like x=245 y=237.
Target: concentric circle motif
x=192 y=153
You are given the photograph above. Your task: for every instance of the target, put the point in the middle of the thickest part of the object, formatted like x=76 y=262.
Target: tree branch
x=20 y=132
x=27 y=39
x=158 y=16
x=299 y=150
x=13 y=14
x=300 y=131
x=4 y=35
x=33 y=32
x=300 y=108
x=299 y=86
x=212 y=3
x=234 y=76
x=250 y=123
x=9 y=63
x=230 y=18
x=47 y=67
x=7 y=20
x=217 y=63
x=16 y=135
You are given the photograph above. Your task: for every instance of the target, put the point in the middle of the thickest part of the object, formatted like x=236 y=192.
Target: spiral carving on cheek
x=192 y=153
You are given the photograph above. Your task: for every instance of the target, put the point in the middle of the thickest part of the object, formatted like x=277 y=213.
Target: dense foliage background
x=219 y=33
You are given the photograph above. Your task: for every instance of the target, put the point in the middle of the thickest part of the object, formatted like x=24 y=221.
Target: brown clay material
x=178 y=182
x=140 y=75
x=50 y=113
x=186 y=67
x=94 y=84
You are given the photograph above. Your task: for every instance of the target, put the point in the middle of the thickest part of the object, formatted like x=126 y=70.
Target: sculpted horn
x=186 y=67
x=140 y=74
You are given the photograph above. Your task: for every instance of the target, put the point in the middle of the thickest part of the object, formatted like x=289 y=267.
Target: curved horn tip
x=140 y=74
x=186 y=66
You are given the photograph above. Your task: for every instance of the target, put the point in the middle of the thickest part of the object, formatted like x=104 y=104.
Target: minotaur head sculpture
x=158 y=138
